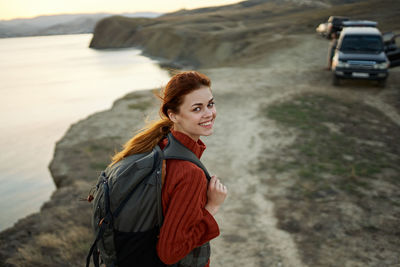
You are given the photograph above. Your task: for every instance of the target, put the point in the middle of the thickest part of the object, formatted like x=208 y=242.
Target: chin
x=208 y=133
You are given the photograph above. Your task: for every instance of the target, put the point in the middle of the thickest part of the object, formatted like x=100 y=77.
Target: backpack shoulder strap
x=176 y=150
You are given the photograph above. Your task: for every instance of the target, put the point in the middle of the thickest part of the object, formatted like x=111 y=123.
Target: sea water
x=46 y=84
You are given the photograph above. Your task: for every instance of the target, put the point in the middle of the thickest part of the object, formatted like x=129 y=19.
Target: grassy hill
x=312 y=169
x=211 y=37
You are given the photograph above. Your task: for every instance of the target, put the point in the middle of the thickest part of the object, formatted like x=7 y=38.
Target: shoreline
x=268 y=216
x=53 y=180
x=86 y=147
x=29 y=185
x=77 y=161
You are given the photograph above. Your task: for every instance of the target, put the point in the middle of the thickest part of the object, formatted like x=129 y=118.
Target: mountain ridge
x=59 y=24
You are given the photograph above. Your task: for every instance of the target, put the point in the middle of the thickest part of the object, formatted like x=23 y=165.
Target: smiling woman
x=196 y=115
x=189 y=202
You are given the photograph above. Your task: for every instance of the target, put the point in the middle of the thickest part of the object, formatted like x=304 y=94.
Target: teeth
x=206 y=123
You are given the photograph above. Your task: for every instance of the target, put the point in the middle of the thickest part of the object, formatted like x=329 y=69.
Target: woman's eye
x=196 y=109
x=211 y=104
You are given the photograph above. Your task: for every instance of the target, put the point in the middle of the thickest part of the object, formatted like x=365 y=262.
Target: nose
x=208 y=113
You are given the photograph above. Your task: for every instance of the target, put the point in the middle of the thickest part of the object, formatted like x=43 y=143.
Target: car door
x=392 y=50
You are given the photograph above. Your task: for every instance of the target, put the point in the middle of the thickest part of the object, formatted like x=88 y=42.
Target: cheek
x=192 y=118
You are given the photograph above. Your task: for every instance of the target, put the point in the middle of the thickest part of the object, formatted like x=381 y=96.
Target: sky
x=10 y=9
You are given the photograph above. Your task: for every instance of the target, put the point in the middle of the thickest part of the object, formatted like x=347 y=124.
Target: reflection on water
x=47 y=83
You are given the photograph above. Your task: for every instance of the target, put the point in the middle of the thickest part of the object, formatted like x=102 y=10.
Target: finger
x=213 y=180
x=221 y=187
x=213 y=183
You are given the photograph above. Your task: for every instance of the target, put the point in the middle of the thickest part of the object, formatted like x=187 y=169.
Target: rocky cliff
x=59 y=235
x=268 y=54
x=211 y=37
x=57 y=24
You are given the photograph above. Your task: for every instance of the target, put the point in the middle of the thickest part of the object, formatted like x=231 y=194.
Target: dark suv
x=392 y=48
x=360 y=54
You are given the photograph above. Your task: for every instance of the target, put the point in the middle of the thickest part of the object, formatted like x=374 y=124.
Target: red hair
x=171 y=97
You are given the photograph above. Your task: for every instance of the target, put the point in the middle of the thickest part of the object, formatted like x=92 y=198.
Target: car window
x=362 y=43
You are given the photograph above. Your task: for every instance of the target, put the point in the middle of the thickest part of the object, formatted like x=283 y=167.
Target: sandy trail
x=243 y=136
x=249 y=235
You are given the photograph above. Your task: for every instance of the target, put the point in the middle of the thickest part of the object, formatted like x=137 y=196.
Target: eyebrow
x=200 y=104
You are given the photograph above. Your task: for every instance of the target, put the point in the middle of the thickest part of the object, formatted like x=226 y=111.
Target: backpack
x=127 y=210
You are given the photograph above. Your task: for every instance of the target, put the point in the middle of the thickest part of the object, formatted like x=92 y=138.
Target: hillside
x=245 y=32
x=57 y=24
x=312 y=169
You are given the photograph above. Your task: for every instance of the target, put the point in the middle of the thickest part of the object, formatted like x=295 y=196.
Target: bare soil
x=312 y=169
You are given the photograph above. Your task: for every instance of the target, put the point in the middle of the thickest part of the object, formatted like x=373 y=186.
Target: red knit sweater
x=187 y=224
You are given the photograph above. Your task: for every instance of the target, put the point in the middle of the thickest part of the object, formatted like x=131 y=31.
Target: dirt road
x=250 y=235
x=274 y=215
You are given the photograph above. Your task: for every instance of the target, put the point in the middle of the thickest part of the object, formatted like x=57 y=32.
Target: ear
x=172 y=116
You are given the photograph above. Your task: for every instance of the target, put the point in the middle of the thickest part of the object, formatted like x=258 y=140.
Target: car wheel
x=336 y=80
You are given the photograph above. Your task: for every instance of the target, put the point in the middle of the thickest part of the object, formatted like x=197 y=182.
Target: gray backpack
x=127 y=210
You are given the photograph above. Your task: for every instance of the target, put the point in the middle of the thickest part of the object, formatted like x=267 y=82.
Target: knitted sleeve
x=187 y=224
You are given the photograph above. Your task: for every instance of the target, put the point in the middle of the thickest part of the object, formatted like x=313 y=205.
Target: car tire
x=335 y=80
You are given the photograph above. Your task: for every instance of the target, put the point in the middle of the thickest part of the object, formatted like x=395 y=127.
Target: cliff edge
x=230 y=35
x=283 y=208
x=59 y=235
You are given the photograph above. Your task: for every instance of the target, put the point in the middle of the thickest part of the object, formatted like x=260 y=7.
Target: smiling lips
x=207 y=124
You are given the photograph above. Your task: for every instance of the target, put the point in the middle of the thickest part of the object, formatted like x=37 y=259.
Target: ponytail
x=146 y=139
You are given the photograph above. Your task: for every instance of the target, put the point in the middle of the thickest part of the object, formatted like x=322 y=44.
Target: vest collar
x=196 y=147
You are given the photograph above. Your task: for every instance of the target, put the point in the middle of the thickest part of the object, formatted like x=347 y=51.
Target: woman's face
x=196 y=114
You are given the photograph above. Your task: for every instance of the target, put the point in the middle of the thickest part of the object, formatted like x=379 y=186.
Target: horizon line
x=83 y=13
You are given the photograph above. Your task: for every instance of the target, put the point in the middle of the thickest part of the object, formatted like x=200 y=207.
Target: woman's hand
x=216 y=194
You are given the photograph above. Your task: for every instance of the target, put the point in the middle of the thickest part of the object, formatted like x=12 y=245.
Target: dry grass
x=60 y=234
x=54 y=249
x=234 y=34
x=343 y=184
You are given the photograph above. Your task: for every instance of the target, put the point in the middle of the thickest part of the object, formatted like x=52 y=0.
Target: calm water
x=46 y=84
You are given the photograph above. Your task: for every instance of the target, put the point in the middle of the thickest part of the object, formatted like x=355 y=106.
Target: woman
x=189 y=203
